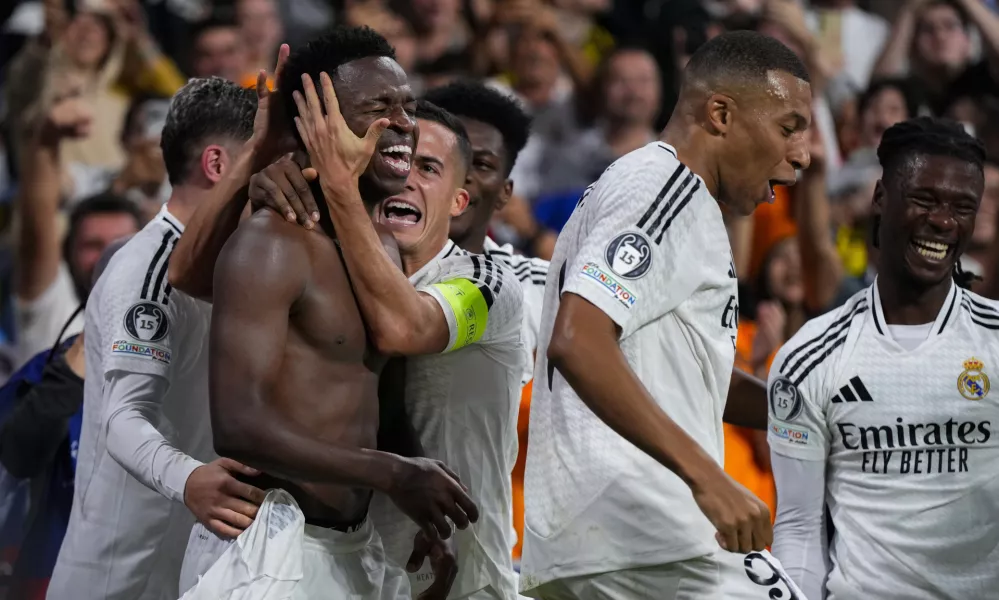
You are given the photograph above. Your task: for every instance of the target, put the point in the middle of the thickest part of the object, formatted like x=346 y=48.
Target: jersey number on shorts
x=776 y=574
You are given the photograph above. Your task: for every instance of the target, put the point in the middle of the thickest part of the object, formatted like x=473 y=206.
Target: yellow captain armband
x=471 y=313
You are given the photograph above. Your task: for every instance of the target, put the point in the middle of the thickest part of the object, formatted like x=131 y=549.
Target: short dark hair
x=428 y=111
x=479 y=102
x=927 y=136
x=326 y=53
x=204 y=110
x=105 y=203
x=217 y=20
x=743 y=55
x=902 y=86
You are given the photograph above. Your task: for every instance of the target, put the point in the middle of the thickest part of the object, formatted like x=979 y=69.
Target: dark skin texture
x=486 y=183
x=294 y=379
x=932 y=198
x=741 y=137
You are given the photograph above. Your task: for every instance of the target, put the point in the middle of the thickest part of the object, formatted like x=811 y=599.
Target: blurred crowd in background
x=600 y=78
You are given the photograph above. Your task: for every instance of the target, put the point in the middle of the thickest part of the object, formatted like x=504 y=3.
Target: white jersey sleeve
x=138 y=319
x=138 y=433
x=639 y=259
x=798 y=388
x=482 y=301
x=800 y=541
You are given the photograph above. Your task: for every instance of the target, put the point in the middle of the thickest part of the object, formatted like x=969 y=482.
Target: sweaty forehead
x=370 y=78
x=783 y=93
x=436 y=141
x=942 y=174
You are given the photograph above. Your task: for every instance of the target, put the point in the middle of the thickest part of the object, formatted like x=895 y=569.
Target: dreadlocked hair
x=928 y=136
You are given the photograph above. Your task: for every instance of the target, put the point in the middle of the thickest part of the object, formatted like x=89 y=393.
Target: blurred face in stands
x=783 y=272
x=883 y=111
x=260 y=24
x=535 y=60
x=632 y=88
x=94 y=234
x=435 y=15
x=985 y=223
x=942 y=42
x=220 y=51
x=87 y=40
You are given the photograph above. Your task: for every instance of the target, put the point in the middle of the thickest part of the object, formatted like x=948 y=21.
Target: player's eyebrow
x=801 y=122
x=428 y=159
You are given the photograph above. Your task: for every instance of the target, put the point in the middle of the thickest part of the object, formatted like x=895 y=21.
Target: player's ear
x=459 y=203
x=720 y=109
x=214 y=160
x=504 y=195
x=877 y=201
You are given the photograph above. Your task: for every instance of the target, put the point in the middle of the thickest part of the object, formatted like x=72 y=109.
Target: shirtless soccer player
x=881 y=409
x=462 y=311
x=294 y=380
x=625 y=493
x=145 y=437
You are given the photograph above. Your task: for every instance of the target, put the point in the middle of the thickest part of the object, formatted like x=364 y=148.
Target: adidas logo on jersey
x=846 y=394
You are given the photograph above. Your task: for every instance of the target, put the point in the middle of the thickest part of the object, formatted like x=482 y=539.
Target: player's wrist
x=386 y=469
x=698 y=470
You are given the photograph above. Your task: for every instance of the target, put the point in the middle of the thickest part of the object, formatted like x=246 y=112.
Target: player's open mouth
x=398 y=158
x=932 y=250
x=773 y=194
x=401 y=212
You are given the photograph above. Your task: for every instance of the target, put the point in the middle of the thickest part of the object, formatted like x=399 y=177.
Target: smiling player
x=881 y=409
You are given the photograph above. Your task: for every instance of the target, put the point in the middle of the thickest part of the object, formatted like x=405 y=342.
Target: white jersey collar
x=944 y=317
x=448 y=249
x=171 y=220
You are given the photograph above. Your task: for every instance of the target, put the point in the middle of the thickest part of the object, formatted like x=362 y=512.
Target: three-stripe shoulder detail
x=809 y=355
x=489 y=277
x=155 y=286
x=981 y=314
x=677 y=192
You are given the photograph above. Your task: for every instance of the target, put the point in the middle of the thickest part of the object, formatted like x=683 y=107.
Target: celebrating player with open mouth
x=625 y=492
x=865 y=416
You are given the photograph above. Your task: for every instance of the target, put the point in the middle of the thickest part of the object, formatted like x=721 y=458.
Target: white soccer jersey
x=463 y=404
x=647 y=246
x=125 y=539
x=910 y=439
x=531 y=272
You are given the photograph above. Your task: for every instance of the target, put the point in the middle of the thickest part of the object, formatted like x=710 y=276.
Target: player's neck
x=473 y=241
x=690 y=152
x=414 y=259
x=185 y=199
x=905 y=304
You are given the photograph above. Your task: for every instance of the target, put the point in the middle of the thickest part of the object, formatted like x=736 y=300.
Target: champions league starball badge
x=629 y=255
x=146 y=322
x=785 y=399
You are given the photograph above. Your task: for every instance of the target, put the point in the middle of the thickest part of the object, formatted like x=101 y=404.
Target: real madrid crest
x=972 y=383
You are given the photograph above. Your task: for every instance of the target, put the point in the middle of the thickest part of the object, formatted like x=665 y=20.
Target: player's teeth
x=399 y=149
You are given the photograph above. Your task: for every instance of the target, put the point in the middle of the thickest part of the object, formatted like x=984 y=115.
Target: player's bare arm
x=747 y=401
x=402 y=321
x=584 y=348
x=249 y=335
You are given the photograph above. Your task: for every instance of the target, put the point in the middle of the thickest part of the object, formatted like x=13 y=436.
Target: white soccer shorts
x=279 y=556
x=720 y=576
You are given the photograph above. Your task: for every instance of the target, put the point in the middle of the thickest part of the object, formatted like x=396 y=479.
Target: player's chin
x=388 y=181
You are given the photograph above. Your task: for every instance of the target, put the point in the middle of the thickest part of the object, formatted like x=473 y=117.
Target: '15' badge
x=629 y=255
x=147 y=322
